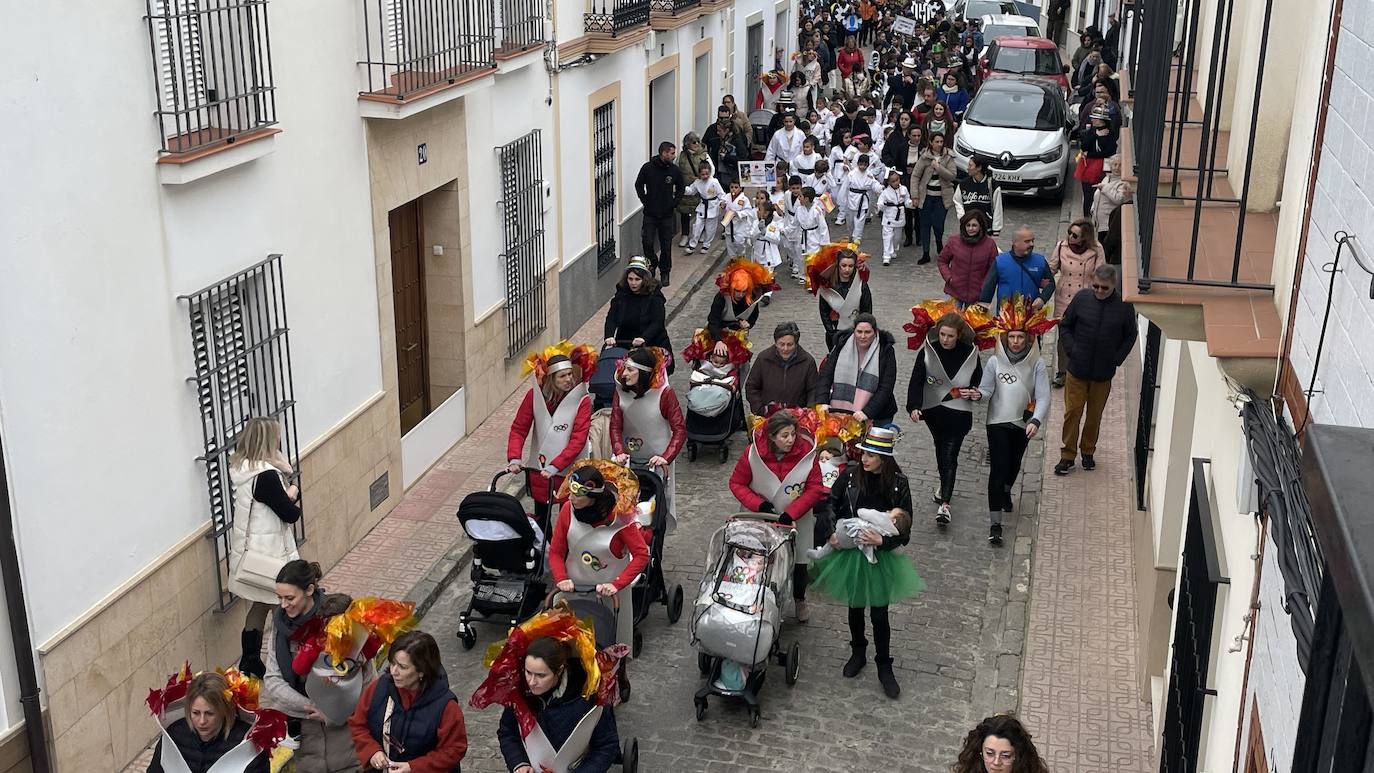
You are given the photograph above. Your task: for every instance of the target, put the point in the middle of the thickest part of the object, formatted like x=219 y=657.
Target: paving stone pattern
x=957 y=647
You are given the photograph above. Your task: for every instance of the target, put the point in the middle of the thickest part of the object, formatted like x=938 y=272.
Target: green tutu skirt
x=848 y=577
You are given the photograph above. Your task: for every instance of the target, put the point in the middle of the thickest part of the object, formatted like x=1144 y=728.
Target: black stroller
x=654 y=585
x=584 y=603
x=507 y=560
x=715 y=429
x=602 y=383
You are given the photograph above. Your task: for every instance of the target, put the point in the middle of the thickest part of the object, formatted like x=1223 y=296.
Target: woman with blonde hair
x=210 y=729
x=1073 y=261
x=261 y=541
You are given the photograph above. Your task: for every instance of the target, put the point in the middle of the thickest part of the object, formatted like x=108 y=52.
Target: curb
x=449 y=568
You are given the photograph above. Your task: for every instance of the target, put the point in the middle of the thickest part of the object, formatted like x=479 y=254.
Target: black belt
x=802 y=170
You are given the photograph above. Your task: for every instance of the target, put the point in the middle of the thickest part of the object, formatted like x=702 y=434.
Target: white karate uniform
x=811 y=223
x=784 y=145
x=708 y=211
x=839 y=168
x=737 y=230
x=858 y=185
x=892 y=202
x=791 y=243
x=802 y=163
x=767 y=246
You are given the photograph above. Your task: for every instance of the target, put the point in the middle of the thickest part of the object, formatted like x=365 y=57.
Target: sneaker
x=1089 y=462
x=935 y=497
x=682 y=242
x=995 y=534
x=942 y=514
x=887 y=260
x=691 y=248
x=925 y=258
x=1058 y=381
x=1064 y=466
x=803 y=611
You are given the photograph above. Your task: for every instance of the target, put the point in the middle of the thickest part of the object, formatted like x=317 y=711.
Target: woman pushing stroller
x=555 y=416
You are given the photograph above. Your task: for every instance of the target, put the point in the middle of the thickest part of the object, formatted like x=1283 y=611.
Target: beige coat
x=1072 y=272
x=928 y=167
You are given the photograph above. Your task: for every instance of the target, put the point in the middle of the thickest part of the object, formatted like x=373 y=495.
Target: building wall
x=1276 y=676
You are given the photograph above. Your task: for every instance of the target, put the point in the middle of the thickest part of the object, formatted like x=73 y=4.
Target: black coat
x=882 y=406
x=1098 y=335
x=1095 y=146
x=726 y=152
x=659 y=186
x=558 y=720
x=846 y=498
x=635 y=315
x=715 y=319
x=200 y=755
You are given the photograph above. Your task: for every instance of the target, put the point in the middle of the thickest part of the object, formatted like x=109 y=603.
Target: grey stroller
x=738 y=611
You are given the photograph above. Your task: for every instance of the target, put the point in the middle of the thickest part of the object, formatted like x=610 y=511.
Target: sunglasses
x=1075 y=234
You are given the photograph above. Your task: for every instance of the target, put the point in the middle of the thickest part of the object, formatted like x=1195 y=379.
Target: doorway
x=753 y=61
x=701 y=82
x=663 y=110
x=406 y=224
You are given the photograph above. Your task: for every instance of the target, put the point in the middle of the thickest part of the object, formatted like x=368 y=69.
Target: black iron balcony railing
x=415 y=45
x=674 y=6
x=1176 y=150
x=522 y=24
x=616 y=16
x=212 y=63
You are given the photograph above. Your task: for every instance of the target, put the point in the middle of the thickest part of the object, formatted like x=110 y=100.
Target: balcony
x=521 y=27
x=616 y=17
x=417 y=48
x=670 y=14
x=1197 y=257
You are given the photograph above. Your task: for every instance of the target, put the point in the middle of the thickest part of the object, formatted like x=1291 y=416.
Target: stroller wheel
x=468 y=636
x=637 y=643
x=701 y=709
x=793 y=666
x=675 y=604
x=704 y=663
x=691 y=450
x=629 y=757
x=753 y=717
x=724 y=453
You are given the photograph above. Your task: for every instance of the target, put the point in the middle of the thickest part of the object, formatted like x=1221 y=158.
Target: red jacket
x=743 y=476
x=453 y=735
x=964 y=267
x=520 y=430
x=672 y=413
x=849 y=61
x=629 y=538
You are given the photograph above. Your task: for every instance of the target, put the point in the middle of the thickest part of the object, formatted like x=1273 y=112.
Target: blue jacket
x=1030 y=276
x=956 y=102
x=415 y=729
x=558 y=719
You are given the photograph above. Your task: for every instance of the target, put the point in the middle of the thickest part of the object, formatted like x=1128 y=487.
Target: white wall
x=94 y=348
x=1276 y=678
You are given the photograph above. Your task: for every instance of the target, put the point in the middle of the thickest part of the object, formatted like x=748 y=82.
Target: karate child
x=858 y=185
x=893 y=201
x=811 y=221
x=766 y=232
x=708 y=211
x=739 y=214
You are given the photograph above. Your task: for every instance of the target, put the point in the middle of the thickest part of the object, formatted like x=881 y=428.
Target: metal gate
x=1145 y=419
x=1194 y=610
x=603 y=137
x=522 y=202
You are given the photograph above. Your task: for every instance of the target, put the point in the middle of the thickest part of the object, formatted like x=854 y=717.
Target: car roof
x=1024 y=41
x=1021 y=85
x=1008 y=19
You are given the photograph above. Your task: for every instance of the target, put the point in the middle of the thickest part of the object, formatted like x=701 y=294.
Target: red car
x=1019 y=55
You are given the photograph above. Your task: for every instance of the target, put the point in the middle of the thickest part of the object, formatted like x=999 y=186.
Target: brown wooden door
x=408 y=299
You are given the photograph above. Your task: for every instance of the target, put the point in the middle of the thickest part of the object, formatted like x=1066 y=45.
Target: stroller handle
x=772 y=518
x=533 y=470
x=590 y=590
x=621 y=343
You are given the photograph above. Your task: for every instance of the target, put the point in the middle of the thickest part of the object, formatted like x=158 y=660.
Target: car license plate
x=1006 y=177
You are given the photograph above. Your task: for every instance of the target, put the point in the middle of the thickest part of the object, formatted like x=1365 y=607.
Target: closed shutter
x=181 y=59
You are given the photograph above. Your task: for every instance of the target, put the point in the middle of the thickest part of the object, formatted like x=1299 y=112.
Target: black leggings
x=948 y=428
x=882 y=632
x=1006 y=447
x=799 y=581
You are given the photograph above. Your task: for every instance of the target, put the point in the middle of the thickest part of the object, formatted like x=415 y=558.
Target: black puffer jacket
x=659 y=186
x=1098 y=335
x=636 y=315
x=201 y=755
x=882 y=406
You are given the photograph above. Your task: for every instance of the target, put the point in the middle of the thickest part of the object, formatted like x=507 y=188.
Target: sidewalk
x=1079 y=690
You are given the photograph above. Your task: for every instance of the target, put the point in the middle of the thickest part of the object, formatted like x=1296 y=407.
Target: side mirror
x=1066 y=69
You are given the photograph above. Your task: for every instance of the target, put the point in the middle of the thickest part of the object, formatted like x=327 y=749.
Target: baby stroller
x=584 y=603
x=602 y=383
x=710 y=420
x=762 y=121
x=507 y=560
x=655 y=519
x=738 y=613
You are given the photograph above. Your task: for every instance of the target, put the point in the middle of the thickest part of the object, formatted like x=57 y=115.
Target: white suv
x=1022 y=126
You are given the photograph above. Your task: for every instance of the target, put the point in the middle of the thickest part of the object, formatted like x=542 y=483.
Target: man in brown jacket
x=783 y=373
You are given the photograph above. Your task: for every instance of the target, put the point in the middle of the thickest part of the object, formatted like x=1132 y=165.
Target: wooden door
x=408 y=300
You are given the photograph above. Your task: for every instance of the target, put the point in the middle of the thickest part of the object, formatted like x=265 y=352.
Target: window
x=522 y=198
x=1037 y=61
x=603 y=185
x=213 y=69
x=242 y=352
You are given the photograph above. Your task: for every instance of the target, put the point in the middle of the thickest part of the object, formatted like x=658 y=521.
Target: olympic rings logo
x=794 y=490
x=592 y=562
x=560 y=428
x=935 y=381
x=1007 y=378
x=634 y=443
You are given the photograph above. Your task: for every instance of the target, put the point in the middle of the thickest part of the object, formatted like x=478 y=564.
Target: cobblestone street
x=957 y=646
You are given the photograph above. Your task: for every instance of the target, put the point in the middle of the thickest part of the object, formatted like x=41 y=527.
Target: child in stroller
x=715 y=408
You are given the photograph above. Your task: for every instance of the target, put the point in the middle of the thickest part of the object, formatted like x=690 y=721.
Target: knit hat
x=880 y=440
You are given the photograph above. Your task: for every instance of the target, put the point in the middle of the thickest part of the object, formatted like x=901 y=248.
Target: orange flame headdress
x=1016 y=314
x=819 y=263
x=618 y=475
x=748 y=277
x=736 y=342
x=925 y=314
x=269 y=725
x=661 y=359
x=581 y=356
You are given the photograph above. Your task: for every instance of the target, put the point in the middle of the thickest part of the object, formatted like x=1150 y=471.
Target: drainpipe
x=19 y=629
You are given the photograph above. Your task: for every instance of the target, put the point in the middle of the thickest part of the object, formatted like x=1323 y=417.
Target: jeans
x=882 y=631
x=948 y=428
x=932 y=223
x=659 y=229
x=1006 y=448
x=1083 y=400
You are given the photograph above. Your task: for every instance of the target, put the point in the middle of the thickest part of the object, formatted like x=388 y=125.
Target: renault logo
x=1005 y=158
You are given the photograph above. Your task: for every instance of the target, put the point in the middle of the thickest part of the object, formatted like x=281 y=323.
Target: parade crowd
x=853 y=135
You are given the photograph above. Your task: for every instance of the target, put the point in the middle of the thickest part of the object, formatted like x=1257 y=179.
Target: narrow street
x=957 y=646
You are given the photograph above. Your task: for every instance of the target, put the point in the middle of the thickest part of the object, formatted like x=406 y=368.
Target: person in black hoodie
x=1097 y=142
x=637 y=316
x=854 y=379
x=659 y=186
x=943 y=389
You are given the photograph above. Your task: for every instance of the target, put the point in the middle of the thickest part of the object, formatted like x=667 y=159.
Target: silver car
x=1022 y=126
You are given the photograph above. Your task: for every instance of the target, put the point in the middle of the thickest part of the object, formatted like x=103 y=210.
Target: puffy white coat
x=256 y=529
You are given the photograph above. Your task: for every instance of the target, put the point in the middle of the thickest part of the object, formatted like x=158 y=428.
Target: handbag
x=1089 y=170
x=259 y=571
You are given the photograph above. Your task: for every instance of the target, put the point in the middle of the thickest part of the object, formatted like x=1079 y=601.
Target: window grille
x=1145 y=418
x=522 y=201
x=603 y=130
x=414 y=45
x=212 y=63
x=242 y=351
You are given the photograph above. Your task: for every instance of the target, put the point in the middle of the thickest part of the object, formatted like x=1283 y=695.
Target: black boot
x=857 y=660
x=887 y=679
x=250 y=661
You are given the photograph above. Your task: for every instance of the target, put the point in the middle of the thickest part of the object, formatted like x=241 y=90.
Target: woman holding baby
x=871 y=503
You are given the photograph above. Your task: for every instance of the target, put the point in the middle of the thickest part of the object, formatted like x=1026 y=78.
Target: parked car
x=1020 y=55
x=977 y=9
x=1002 y=24
x=1022 y=125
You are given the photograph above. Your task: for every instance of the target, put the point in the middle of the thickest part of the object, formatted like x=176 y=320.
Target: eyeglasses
x=993 y=754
